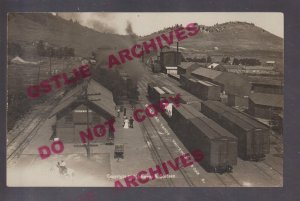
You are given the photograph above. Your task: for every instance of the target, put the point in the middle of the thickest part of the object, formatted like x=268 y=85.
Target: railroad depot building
x=236 y=87
x=265 y=106
x=84 y=106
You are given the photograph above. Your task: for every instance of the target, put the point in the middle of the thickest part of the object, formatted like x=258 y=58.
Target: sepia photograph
x=145 y=99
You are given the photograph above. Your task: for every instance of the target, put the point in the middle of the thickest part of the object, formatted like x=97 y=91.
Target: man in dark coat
x=131 y=122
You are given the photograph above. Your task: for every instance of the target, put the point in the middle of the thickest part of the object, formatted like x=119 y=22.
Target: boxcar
x=155 y=93
x=253 y=136
x=196 y=131
x=202 y=89
x=207 y=90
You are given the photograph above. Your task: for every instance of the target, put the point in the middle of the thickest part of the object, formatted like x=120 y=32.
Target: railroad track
x=27 y=124
x=264 y=171
x=227 y=182
x=14 y=150
x=155 y=154
x=186 y=178
x=230 y=178
x=267 y=164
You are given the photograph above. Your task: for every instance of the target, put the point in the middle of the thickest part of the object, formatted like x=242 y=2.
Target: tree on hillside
x=235 y=61
x=41 y=50
x=208 y=60
x=50 y=51
x=15 y=49
x=225 y=60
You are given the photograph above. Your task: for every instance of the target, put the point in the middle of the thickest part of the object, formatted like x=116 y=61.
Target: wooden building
x=187 y=67
x=236 y=87
x=267 y=86
x=75 y=112
x=265 y=105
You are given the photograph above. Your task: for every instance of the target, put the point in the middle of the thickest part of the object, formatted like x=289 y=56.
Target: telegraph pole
x=88 y=149
x=86 y=100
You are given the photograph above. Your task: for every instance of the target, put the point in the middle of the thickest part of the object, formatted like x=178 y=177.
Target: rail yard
x=161 y=107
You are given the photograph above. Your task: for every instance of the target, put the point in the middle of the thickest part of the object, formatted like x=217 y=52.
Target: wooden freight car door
x=223 y=151
x=258 y=143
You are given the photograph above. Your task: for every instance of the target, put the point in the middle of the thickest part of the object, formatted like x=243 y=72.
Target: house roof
x=213 y=65
x=233 y=83
x=72 y=97
x=186 y=65
x=171 y=67
x=262 y=81
x=272 y=100
x=208 y=73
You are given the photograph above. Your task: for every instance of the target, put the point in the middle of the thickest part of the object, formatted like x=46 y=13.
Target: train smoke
x=95 y=22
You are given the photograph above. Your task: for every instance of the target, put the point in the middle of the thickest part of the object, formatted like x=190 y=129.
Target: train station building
x=83 y=107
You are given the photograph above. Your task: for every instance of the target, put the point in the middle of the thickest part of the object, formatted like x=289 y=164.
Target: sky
x=147 y=23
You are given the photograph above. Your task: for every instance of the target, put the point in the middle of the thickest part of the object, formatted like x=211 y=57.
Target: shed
x=187 y=67
x=236 y=86
x=170 y=70
x=265 y=105
x=267 y=86
x=213 y=65
x=270 y=63
x=75 y=113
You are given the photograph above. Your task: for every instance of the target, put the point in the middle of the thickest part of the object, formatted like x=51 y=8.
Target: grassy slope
x=239 y=39
x=234 y=39
x=26 y=28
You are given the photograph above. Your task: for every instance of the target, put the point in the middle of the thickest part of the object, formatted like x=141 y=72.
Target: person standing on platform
x=124 y=110
x=131 y=122
x=118 y=112
x=126 y=123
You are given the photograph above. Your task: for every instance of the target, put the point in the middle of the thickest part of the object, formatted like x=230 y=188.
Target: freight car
x=253 y=136
x=203 y=89
x=196 y=131
x=157 y=93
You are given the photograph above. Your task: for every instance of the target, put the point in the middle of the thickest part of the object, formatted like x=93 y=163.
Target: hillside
x=26 y=28
x=232 y=39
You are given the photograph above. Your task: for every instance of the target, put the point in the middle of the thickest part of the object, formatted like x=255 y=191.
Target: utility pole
x=50 y=67
x=39 y=74
x=86 y=100
x=88 y=149
x=142 y=54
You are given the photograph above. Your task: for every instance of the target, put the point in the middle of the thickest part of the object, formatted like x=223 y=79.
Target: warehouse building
x=267 y=86
x=265 y=105
x=169 y=60
x=75 y=113
x=236 y=87
x=187 y=67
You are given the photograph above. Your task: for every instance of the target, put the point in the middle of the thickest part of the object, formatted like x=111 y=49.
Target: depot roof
x=99 y=98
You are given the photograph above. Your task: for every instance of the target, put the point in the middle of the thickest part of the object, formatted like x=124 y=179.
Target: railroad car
x=196 y=131
x=253 y=136
x=202 y=89
x=157 y=92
